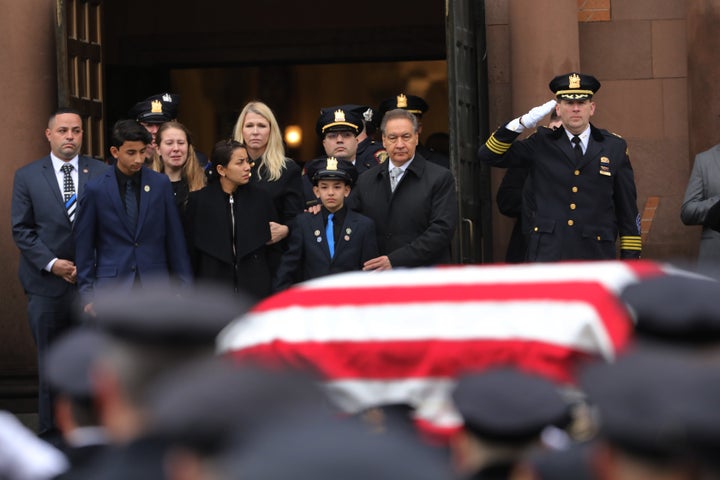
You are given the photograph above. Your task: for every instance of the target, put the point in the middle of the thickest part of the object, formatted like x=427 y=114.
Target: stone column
x=544 y=42
x=703 y=74
x=27 y=38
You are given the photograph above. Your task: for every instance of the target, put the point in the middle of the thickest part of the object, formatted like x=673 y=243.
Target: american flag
x=403 y=336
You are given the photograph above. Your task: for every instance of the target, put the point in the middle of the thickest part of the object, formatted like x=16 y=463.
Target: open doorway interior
x=211 y=98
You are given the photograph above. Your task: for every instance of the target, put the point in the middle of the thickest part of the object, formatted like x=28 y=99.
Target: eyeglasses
x=335 y=135
x=406 y=137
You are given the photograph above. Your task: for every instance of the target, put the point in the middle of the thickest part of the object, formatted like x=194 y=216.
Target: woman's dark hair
x=221 y=155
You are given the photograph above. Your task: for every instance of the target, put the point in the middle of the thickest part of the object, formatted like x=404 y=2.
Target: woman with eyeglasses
x=175 y=157
x=228 y=224
x=257 y=128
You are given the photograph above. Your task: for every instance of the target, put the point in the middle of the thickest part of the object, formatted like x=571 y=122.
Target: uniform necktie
x=395 y=173
x=330 y=235
x=69 y=195
x=131 y=203
x=577 y=148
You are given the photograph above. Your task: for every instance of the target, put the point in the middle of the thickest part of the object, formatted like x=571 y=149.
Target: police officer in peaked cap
x=338 y=128
x=369 y=152
x=504 y=411
x=581 y=180
x=153 y=112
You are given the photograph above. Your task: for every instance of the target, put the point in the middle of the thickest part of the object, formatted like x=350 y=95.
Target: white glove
x=533 y=117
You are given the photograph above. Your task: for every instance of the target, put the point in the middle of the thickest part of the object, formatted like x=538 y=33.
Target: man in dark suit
x=417 y=106
x=337 y=240
x=411 y=200
x=580 y=178
x=43 y=211
x=128 y=229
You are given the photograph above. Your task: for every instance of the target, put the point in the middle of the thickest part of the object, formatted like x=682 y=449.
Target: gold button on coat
x=574 y=189
x=572 y=206
x=571 y=223
x=576 y=172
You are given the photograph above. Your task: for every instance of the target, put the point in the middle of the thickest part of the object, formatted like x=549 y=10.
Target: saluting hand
x=533 y=117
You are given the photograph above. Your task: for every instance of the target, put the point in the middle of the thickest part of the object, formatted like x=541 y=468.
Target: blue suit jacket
x=110 y=251
x=40 y=225
x=308 y=251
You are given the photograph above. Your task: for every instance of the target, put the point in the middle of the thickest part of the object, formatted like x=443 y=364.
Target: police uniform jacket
x=242 y=267
x=369 y=153
x=415 y=224
x=308 y=251
x=579 y=208
x=702 y=193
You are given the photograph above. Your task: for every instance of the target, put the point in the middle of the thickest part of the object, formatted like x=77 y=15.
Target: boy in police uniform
x=337 y=240
x=581 y=179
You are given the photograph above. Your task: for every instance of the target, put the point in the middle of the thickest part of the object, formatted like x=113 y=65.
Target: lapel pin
x=147 y=188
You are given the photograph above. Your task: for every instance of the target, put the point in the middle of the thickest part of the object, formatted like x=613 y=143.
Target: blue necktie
x=131 y=203
x=330 y=235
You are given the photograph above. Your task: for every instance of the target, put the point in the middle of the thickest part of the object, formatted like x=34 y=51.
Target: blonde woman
x=175 y=157
x=278 y=175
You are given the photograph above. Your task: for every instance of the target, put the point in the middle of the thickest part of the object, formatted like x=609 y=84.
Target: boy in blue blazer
x=337 y=240
x=128 y=229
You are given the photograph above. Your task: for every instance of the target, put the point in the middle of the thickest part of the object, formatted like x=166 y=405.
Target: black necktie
x=131 y=203
x=577 y=148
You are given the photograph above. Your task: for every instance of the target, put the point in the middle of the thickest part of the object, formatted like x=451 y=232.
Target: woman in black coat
x=228 y=224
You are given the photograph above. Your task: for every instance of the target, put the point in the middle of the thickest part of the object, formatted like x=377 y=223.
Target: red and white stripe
x=402 y=336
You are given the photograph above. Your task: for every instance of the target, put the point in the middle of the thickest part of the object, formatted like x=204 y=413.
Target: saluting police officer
x=581 y=178
x=417 y=106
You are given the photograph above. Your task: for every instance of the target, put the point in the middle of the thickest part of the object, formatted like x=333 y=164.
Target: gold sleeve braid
x=631 y=242
x=496 y=146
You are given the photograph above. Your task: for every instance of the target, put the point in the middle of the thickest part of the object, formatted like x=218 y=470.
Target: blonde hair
x=191 y=170
x=273 y=159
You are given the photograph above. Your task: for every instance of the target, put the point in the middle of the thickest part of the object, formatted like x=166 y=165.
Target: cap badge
x=574 y=80
x=156 y=106
x=167 y=98
x=331 y=164
x=339 y=115
x=367 y=115
x=402 y=101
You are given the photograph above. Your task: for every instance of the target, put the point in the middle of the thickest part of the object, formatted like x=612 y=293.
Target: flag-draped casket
x=403 y=336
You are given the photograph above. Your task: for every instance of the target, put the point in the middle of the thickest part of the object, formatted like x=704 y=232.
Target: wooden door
x=467 y=97
x=78 y=33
